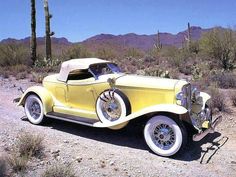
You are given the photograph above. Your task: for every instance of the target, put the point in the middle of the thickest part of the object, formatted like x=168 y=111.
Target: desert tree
x=48 y=32
x=220 y=45
x=33 y=42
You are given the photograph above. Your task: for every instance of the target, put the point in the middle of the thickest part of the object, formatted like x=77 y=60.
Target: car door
x=82 y=95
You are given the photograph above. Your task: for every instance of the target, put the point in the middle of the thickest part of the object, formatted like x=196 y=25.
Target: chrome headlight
x=185 y=96
x=195 y=94
x=196 y=97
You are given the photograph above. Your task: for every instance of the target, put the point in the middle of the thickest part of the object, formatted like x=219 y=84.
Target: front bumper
x=211 y=129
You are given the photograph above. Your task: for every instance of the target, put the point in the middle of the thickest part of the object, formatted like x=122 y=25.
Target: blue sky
x=78 y=20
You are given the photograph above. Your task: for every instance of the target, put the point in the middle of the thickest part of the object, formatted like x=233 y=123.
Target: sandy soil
x=104 y=152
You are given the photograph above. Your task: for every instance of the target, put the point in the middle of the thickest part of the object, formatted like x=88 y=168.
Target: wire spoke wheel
x=164 y=136
x=112 y=105
x=111 y=108
x=34 y=109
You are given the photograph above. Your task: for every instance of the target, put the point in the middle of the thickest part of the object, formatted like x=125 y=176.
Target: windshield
x=104 y=68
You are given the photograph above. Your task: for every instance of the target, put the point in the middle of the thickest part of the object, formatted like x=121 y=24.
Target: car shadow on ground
x=203 y=150
x=132 y=136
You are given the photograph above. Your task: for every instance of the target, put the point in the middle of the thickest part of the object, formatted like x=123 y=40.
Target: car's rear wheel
x=34 y=109
x=165 y=136
x=112 y=105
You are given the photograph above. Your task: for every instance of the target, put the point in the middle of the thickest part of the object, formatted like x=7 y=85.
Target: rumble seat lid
x=73 y=64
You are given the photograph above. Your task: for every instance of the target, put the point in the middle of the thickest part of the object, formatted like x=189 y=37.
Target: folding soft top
x=77 y=64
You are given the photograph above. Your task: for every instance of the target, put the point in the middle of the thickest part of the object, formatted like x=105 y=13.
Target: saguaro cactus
x=188 y=37
x=33 y=42
x=48 y=32
x=158 y=44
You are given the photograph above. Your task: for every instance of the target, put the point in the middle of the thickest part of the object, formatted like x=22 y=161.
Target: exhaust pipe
x=199 y=136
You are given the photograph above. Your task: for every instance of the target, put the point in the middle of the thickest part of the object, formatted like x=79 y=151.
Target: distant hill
x=40 y=41
x=145 y=41
x=133 y=40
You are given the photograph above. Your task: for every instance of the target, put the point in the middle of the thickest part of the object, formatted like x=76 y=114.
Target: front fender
x=42 y=93
x=170 y=108
x=205 y=98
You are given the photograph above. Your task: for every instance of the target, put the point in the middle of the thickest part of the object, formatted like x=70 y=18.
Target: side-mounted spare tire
x=112 y=105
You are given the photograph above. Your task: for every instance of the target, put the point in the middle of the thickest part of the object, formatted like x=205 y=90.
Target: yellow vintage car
x=94 y=92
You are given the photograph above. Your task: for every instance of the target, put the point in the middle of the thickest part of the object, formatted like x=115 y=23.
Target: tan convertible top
x=77 y=64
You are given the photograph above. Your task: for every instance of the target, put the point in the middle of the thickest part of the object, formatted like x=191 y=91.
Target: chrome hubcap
x=163 y=136
x=34 y=109
x=111 y=108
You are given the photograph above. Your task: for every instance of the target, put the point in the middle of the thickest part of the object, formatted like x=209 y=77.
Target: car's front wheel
x=164 y=135
x=34 y=109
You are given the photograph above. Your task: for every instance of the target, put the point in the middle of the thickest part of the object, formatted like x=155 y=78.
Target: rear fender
x=42 y=93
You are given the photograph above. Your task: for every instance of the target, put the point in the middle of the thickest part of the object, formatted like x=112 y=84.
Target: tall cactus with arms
x=33 y=42
x=48 y=16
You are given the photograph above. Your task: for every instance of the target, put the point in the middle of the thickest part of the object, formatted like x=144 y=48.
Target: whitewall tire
x=112 y=105
x=34 y=109
x=164 y=136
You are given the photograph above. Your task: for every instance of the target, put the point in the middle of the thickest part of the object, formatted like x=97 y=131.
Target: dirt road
x=103 y=152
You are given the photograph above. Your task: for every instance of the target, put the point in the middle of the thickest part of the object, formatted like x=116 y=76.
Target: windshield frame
x=114 y=69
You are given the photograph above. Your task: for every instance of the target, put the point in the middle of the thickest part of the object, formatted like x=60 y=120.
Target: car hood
x=148 y=82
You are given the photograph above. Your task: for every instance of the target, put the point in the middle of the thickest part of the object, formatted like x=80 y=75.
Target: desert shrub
x=17 y=164
x=20 y=70
x=220 y=45
x=43 y=62
x=14 y=54
x=76 y=51
x=37 y=77
x=105 y=53
x=58 y=170
x=3 y=167
x=218 y=101
x=134 y=53
x=21 y=75
x=28 y=145
x=224 y=80
x=194 y=47
x=233 y=98
x=157 y=72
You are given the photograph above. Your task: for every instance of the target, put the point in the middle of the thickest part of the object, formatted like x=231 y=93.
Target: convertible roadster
x=96 y=93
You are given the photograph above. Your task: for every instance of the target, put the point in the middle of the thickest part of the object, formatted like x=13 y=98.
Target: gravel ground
x=104 y=152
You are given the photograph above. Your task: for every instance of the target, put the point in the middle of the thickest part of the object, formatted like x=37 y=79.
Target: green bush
x=105 y=53
x=220 y=45
x=134 y=53
x=14 y=54
x=76 y=51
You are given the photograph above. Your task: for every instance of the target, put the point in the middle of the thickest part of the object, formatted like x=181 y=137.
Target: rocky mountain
x=146 y=41
x=40 y=41
x=143 y=42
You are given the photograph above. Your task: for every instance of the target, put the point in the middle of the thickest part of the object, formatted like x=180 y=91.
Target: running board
x=71 y=118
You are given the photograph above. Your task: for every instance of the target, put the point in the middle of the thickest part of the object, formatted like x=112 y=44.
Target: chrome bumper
x=199 y=136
